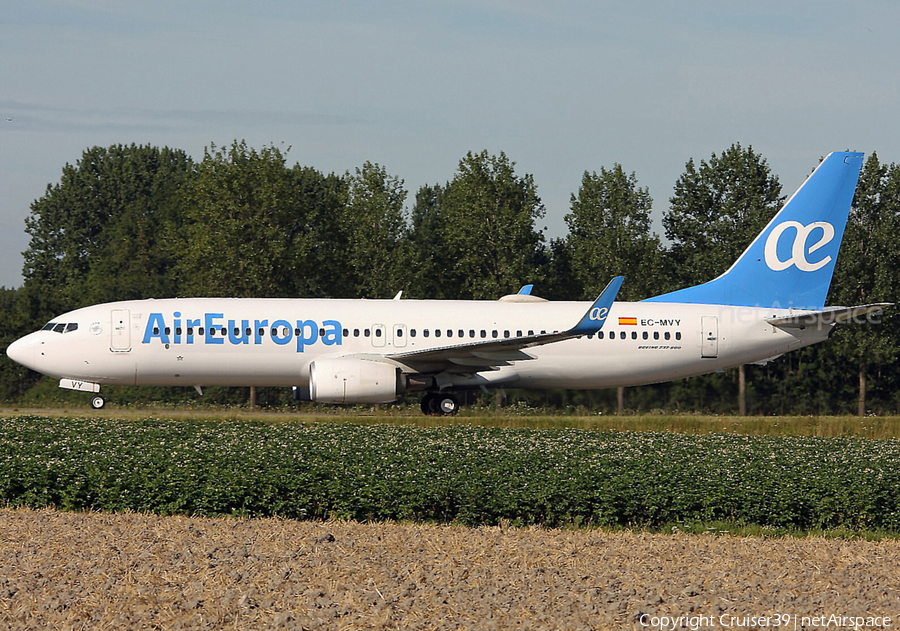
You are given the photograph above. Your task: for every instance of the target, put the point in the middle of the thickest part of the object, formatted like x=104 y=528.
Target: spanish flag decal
x=627 y=321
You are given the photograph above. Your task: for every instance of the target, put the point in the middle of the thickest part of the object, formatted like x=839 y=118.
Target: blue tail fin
x=790 y=263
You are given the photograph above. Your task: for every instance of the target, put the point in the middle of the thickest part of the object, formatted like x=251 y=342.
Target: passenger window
x=449 y=332
x=412 y=332
x=356 y=333
x=634 y=335
x=346 y=333
x=600 y=335
x=471 y=332
x=321 y=332
x=190 y=330
x=212 y=332
x=518 y=333
x=224 y=331
x=248 y=331
x=668 y=335
x=494 y=334
x=656 y=335
x=437 y=332
x=425 y=333
x=461 y=333
x=678 y=335
x=377 y=332
x=178 y=330
x=367 y=332
x=156 y=330
x=483 y=333
x=645 y=335
x=399 y=332
x=261 y=332
x=622 y=334
x=530 y=332
x=202 y=331
x=506 y=334
x=590 y=336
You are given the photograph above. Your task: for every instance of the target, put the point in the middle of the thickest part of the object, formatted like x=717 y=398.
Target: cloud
x=32 y=117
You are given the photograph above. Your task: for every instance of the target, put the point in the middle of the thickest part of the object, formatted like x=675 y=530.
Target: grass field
x=879 y=427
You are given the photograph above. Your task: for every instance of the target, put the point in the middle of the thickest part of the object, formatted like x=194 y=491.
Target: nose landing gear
x=439 y=404
x=97 y=402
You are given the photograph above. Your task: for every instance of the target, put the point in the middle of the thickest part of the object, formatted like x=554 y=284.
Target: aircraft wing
x=827 y=316
x=502 y=352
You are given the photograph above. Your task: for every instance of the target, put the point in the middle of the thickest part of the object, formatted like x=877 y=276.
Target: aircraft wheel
x=98 y=402
x=428 y=404
x=447 y=404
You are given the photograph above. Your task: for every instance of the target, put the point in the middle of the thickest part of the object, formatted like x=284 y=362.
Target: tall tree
x=428 y=258
x=375 y=230
x=317 y=235
x=714 y=214
x=717 y=210
x=866 y=272
x=609 y=235
x=239 y=238
x=101 y=233
x=488 y=216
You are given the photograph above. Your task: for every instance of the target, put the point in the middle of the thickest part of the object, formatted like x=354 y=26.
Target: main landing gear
x=439 y=404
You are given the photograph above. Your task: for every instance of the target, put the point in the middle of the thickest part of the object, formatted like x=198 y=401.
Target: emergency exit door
x=710 y=332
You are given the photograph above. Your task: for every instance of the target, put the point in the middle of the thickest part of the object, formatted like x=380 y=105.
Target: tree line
x=132 y=222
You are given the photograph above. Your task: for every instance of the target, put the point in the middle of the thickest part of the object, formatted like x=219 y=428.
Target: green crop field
x=450 y=473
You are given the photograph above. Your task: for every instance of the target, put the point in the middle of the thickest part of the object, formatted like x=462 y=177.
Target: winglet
x=526 y=290
x=592 y=321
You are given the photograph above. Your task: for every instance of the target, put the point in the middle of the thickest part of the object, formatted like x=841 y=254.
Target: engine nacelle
x=353 y=380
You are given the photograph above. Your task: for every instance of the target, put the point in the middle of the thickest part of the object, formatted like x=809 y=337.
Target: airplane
x=769 y=302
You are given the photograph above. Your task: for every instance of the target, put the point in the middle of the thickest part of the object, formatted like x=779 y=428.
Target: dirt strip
x=104 y=571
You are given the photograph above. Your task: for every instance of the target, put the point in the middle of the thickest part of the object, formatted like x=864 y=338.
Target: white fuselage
x=226 y=341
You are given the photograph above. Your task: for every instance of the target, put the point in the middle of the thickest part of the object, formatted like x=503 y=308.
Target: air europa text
x=215 y=329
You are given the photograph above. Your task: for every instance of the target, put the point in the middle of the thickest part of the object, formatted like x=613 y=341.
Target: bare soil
x=126 y=571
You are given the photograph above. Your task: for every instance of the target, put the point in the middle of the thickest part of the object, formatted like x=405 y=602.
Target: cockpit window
x=58 y=327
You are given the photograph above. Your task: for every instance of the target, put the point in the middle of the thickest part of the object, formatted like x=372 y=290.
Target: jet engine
x=353 y=380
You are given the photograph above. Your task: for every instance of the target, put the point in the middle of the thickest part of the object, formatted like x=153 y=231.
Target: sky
x=561 y=88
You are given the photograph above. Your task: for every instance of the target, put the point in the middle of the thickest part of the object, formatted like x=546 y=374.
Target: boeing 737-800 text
x=769 y=302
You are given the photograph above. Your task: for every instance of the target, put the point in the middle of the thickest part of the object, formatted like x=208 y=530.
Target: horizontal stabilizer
x=828 y=316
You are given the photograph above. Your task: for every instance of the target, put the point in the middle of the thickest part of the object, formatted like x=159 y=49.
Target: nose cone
x=22 y=351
